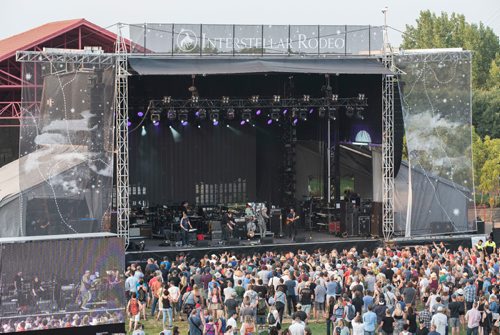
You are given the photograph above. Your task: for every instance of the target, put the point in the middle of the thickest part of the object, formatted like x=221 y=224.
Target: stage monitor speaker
x=300 y=239
x=480 y=226
x=9 y=308
x=267 y=240
x=203 y=243
x=233 y=241
x=275 y=222
x=440 y=227
x=216 y=235
x=496 y=235
x=364 y=225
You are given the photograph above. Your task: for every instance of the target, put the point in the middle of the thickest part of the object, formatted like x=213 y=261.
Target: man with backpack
x=262 y=309
x=350 y=312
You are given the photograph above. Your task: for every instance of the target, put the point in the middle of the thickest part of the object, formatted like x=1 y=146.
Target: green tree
x=486 y=112
x=453 y=31
x=489 y=181
x=494 y=77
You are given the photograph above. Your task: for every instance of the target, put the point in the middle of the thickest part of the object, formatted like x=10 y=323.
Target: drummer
x=185 y=225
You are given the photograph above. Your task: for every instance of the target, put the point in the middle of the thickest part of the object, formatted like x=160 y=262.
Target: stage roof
x=147 y=65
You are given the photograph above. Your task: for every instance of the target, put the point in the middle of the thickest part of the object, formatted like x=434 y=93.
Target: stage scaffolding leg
x=121 y=135
x=388 y=151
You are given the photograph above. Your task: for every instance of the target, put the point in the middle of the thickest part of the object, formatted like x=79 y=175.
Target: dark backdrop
x=170 y=170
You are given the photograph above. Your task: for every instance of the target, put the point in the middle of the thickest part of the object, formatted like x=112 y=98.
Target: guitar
x=288 y=220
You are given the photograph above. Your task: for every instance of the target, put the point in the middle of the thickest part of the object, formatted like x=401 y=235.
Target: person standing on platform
x=228 y=225
x=261 y=220
x=185 y=226
x=291 y=224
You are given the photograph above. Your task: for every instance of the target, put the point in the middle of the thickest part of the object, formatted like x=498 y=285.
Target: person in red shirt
x=133 y=310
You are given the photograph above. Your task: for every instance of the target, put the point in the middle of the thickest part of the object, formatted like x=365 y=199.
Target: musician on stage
x=250 y=220
x=291 y=223
x=185 y=225
x=85 y=285
x=228 y=224
x=261 y=220
x=36 y=289
x=184 y=207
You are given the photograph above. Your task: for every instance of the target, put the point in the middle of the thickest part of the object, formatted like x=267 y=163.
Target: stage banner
x=434 y=187
x=65 y=168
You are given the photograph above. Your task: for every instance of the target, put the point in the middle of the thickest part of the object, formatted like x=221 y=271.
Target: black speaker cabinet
x=441 y=227
x=496 y=235
x=480 y=226
x=300 y=239
x=364 y=225
x=203 y=243
x=233 y=241
x=275 y=222
x=267 y=240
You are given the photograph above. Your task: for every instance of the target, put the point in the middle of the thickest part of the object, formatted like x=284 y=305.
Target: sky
x=20 y=15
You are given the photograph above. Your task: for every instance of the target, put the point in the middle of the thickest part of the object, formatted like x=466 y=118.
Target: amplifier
x=364 y=225
x=275 y=221
x=45 y=305
x=9 y=308
x=202 y=243
x=216 y=235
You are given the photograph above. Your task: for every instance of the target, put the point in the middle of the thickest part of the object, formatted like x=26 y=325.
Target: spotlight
x=140 y=114
x=306 y=97
x=156 y=123
x=294 y=112
x=303 y=115
x=215 y=122
x=335 y=97
x=183 y=117
x=143 y=131
x=258 y=112
x=331 y=113
x=311 y=110
x=230 y=114
x=359 y=112
x=255 y=99
x=167 y=100
x=275 y=114
x=322 y=112
x=242 y=123
x=269 y=121
x=246 y=115
x=225 y=100
x=295 y=121
x=199 y=126
x=214 y=116
x=171 y=114
x=129 y=123
x=276 y=98
x=349 y=112
x=201 y=114
x=194 y=99
x=361 y=96
x=285 y=111
x=155 y=116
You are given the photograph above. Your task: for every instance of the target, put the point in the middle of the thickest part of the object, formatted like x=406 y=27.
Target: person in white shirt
x=440 y=320
x=228 y=291
x=233 y=323
x=297 y=327
x=174 y=294
x=357 y=325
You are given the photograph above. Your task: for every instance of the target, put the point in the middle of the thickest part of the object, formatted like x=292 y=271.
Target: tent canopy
x=147 y=65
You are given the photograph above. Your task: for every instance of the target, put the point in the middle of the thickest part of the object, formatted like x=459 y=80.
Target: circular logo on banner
x=186 y=40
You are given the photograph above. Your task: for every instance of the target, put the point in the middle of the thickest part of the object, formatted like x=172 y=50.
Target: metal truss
x=440 y=55
x=388 y=82
x=167 y=103
x=289 y=163
x=66 y=56
x=121 y=133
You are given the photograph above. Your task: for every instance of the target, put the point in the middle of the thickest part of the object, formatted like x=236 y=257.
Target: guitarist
x=291 y=223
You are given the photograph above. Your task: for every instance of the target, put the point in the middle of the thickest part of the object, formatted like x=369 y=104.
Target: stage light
x=184 y=123
x=359 y=112
x=311 y=110
x=276 y=98
x=295 y=121
x=361 y=96
x=155 y=116
x=246 y=115
x=140 y=114
x=143 y=131
x=215 y=123
x=258 y=112
x=242 y=123
x=194 y=99
x=225 y=100
x=269 y=121
x=322 y=112
x=306 y=97
x=129 y=123
x=349 y=112
x=183 y=117
x=275 y=114
x=331 y=113
x=285 y=111
x=230 y=114
x=214 y=116
x=363 y=137
x=227 y=126
x=294 y=112
x=156 y=123
x=335 y=97
x=171 y=114
x=201 y=114
x=255 y=99
x=303 y=115
x=167 y=100
x=199 y=126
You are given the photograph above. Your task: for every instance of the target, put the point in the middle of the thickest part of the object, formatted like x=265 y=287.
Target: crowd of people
x=407 y=290
x=45 y=322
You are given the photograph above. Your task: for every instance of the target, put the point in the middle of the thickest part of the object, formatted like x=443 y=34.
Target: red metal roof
x=33 y=37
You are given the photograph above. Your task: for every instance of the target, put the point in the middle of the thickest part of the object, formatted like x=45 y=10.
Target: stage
x=313 y=241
